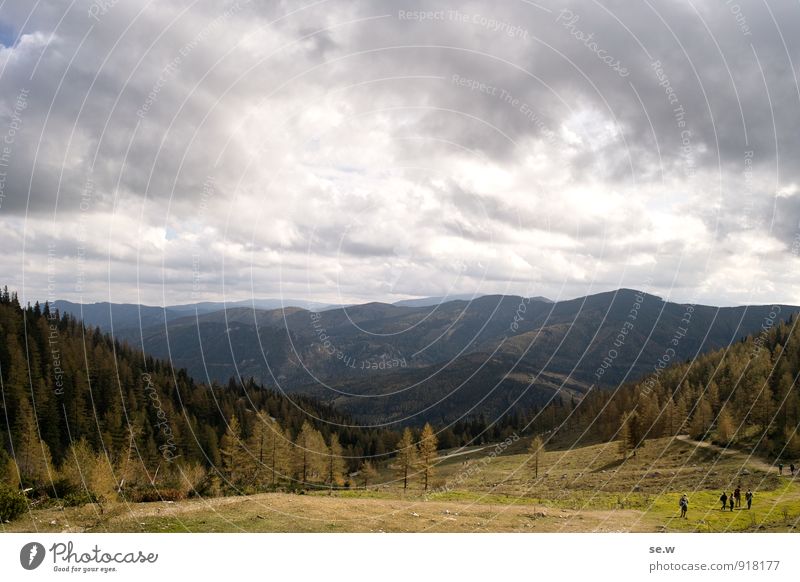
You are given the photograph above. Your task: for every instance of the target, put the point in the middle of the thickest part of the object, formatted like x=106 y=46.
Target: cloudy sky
x=342 y=151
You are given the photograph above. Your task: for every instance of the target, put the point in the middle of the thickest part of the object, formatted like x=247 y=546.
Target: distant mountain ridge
x=430 y=301
x=131 y=316
x=380 y=361
x=128 y=318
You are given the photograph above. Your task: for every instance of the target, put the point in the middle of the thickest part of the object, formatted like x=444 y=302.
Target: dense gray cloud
x=344 y=151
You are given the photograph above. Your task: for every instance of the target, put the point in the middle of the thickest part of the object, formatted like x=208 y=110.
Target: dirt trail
x=462 y=453
x=749 y=460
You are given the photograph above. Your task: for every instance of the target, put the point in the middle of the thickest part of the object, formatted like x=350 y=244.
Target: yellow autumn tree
x=237 y=462
x=308 y=454
x=406 y=456
x=368 y=472
x=428 y=443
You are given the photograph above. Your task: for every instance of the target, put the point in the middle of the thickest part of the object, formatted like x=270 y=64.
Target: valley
x=442 y=359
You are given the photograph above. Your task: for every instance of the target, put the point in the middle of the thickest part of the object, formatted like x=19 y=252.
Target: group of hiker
x=735 y=499
x=728 y=501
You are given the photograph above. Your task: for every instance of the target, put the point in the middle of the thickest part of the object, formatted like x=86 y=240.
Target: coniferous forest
x=744 y=396
x=86 y=418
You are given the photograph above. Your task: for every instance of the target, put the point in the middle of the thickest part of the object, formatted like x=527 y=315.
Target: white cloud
x=347 y=165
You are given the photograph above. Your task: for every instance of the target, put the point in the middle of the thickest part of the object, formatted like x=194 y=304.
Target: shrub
x=60 y=488
x=187 y=478
x=101 y=480
x=138 y=495
x=12 y=503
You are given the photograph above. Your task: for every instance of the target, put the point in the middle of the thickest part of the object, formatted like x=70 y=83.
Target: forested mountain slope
x=743 y=396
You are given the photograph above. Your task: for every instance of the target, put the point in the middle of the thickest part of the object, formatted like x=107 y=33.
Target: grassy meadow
x=487 y=489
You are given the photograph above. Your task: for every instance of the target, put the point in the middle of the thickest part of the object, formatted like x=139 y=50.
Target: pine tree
x=211 y=446
x=635 y=431
x=535 y=448
x=258 y=447
x=680 y=417
x=725 y=427
x=237 y=463
x=713 y=396
x=274 y=450
x=335 y=464
x=308 y=452
x=701 y=421
x=406 y=456
x=103 y=386
x=763 y=410
x=652 y=425
x=783 y=389
x=427 y=453
x=669 y=414
x=31 y=454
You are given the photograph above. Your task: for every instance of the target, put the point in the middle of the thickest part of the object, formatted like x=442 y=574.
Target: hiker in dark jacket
x=684 y=504
x=749 y=498
x=737 y=495
x=731 y=501
x=724 y=499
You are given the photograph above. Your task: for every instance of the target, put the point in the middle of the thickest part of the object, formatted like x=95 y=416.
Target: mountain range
x=127 y=319
x=381 y=362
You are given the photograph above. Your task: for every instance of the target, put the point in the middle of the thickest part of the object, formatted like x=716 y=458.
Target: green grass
x=775 y=510
x=586 y=489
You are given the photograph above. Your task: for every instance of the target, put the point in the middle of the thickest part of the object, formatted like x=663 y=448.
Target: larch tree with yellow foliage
x=428 y=443
x=406 y=456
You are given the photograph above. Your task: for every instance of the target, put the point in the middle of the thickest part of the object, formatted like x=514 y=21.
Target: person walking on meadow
x=791 y=469
x=731 y=501
x=737 y=495
x=684 y=504
x=780 y=468
x=749 y=498
x=724 y=499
